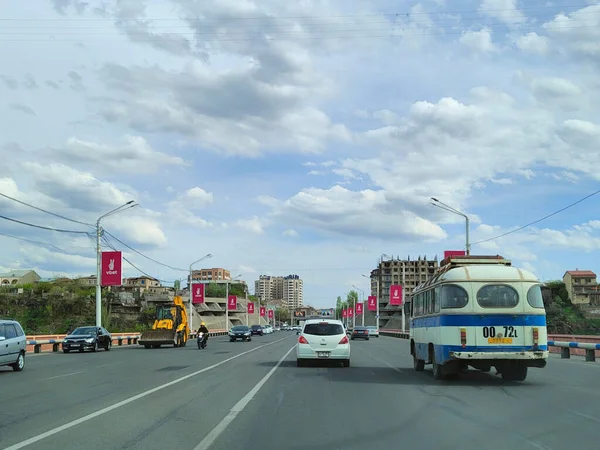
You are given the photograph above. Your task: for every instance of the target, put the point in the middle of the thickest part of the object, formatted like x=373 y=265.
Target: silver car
x=13 y=345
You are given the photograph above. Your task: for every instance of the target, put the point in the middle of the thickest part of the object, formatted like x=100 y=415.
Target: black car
x=240 y=332
x=256 y=329
x=87 y=338
x=360 y=332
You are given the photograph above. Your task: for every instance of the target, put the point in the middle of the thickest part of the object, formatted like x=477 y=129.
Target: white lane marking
x=110 y=408
x=64 y=375
x=238 y=408
x=400 y=371
x=585 y=416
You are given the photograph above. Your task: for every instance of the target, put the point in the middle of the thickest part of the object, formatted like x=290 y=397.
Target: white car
x=323 y=339
x=373 y=331
x=267 y=329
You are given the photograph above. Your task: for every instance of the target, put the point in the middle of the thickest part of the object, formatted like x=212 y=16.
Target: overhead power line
x=45 y=211
x=109 y=245
x=42 y=227
x=31 y=241
x=145 y=256
x=396 y=13
x=539 y=220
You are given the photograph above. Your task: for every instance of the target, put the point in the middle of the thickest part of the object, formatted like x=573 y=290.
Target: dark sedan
x=360 y=333
x=87 y=338
x=256 y=329
x=240 y=332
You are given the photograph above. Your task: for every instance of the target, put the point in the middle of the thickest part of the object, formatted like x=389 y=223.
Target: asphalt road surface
x=251 y=395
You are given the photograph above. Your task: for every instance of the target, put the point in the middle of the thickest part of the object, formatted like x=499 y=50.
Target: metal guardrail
x=565 y=347
x=37 y=343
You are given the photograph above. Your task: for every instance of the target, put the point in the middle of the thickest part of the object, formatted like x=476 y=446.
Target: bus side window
x=453 y=296
x=435 y=297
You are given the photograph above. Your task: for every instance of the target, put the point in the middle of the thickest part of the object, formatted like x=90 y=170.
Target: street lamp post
x=191 y=309
x=376 y=299
x=128 y=205
x=227 y=300
x=445 y=207
x=363 y=303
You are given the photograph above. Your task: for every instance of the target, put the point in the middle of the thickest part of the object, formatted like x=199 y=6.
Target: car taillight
x=344 y=340
x=536 y=336
x=302 y=340
x=463 y=337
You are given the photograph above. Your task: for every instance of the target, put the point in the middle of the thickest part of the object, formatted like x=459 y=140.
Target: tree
x=352 y=298
x=282 y=314
x=338 y=306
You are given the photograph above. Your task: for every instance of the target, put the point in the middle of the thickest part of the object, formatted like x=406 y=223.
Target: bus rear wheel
x=438 y=370
x=515 y=372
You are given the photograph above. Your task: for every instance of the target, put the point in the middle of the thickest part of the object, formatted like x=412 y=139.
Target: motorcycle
x=201 y=340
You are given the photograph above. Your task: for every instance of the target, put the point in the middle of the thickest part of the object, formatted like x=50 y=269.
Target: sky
x=298 y=138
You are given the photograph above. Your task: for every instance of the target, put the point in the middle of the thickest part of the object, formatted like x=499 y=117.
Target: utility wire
x=539 y=220
x=42 y=227
x=398 y=13
x=109 y=245
x=45 y=211
x=145 y=256
x=43 y=244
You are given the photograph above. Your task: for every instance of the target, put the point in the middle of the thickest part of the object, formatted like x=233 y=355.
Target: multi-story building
x=290 y=289
x=293 y=291
x=581 y=286
x=143 y=284
x=390 y=272
x=215 y=274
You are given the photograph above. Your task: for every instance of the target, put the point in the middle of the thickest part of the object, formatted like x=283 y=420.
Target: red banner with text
x=396 y=295
x=232 y=302
x=197 y=293
x=112 y=263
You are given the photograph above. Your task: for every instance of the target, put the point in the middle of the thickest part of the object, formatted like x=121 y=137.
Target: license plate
x=323 y=354
x=499 y=340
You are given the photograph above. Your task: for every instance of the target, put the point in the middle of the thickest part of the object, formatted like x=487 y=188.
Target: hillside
x=565 y=318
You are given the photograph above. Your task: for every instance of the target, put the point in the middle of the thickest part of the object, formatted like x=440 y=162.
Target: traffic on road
x=237 y=396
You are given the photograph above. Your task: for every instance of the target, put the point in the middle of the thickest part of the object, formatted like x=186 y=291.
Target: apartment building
x=390 y=272
x=582 y=286
x=214 y=274
x=290 y=289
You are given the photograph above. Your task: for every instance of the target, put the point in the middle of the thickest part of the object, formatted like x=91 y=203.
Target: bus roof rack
x=464 y=260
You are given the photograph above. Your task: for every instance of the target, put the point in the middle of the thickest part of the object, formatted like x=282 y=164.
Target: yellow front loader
x=170 y=326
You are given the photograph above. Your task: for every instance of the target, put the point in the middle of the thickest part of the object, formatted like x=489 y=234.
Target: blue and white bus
x=479 y=311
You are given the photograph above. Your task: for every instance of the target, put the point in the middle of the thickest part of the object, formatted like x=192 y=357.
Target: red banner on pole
x=271 y=314
x=359 y=309
x=197 y=293
x=250 y=308
x=263 y=311
x=372 y=303
x=350 y=312
x=232 y=302
x=344 y=313
x=396 y=295
x=111 y=266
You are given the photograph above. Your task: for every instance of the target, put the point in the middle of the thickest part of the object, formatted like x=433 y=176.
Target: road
x=248 y=395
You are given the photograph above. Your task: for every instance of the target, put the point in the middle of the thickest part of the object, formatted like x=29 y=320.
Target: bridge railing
x=566 y=345
x=52 y=342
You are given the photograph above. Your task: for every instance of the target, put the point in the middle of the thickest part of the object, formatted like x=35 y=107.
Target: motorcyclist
x=204 y=330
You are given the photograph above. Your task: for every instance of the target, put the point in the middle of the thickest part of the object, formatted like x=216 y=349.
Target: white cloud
x=254 y=224
x=134 y=156
x=479 y=41
x=283 y=138
x=533 y=43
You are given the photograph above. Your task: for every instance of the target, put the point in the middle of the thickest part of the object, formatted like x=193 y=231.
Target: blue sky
x=300 y=138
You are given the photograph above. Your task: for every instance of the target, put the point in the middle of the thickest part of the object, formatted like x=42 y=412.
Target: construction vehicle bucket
x=158 y=337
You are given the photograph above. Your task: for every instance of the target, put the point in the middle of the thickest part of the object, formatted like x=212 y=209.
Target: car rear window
x=323 y=329
x=240 y=328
